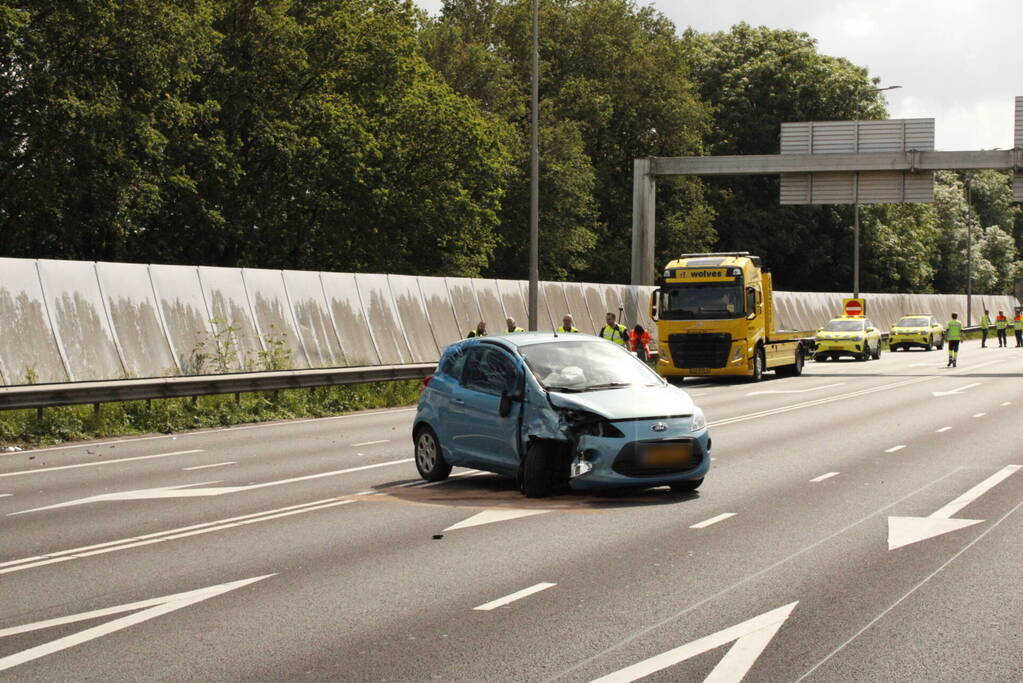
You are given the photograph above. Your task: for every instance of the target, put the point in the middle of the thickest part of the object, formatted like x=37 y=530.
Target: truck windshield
x=701 y=302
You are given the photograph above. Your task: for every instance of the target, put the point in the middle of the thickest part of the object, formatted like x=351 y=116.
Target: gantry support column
x=644 y=203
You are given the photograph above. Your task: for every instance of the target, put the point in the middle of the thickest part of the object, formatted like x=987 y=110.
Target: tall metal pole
x=856 y=243
x=534 y=190
x=969 y=254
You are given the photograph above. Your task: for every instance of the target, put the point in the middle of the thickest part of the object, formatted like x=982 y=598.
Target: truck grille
x=700 y=349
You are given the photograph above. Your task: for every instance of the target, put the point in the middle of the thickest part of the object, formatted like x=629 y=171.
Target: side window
x=452 y=364
x=490 y=370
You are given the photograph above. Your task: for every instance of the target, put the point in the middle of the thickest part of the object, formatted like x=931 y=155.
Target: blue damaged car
x=555 y=412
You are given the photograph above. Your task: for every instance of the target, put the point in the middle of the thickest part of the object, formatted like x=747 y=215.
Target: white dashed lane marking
x=713 y=520
x=980 y=414
x=517 y=595
x=829 y=475
x=944 y=429
x=896 y=448
x=204 y=467
x=370 y=443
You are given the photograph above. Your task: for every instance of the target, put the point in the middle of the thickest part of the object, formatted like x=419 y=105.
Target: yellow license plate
x=668 y=456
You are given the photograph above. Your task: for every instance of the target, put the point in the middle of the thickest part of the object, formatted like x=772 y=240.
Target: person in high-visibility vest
x=512 y=327
x=985 y=323
x=566 y=325
x=614 y=331
x=1001 y=322
x=954 y=330
x=480 y=331
x=1017 y=327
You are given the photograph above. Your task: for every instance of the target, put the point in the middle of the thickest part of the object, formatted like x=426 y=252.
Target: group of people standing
x=636 y=340
x=1002 y=324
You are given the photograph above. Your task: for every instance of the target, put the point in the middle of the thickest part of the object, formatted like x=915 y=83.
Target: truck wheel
x=794 y=370
x=758 y=366
x=537 y=481
x=429 y=457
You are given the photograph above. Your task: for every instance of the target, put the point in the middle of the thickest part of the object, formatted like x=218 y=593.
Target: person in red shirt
x=1001 y=322
x=639 y=342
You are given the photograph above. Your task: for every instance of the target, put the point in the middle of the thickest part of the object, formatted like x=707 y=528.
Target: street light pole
x=856 y=199
x=534 y=185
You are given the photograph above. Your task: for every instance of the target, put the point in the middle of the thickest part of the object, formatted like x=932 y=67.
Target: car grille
x=630 y=460
x=700 y=349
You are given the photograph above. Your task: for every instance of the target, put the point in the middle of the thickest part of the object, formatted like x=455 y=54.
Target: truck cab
x=715 y=317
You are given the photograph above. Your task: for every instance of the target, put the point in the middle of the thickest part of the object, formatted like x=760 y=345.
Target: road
x=860 y=523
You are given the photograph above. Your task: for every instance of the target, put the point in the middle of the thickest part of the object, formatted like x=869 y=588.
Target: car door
x=482 y=437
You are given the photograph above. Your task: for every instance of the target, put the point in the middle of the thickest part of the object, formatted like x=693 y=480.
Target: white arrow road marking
x=751 y=637
x=794 y=391
x=829 y=475
x=184 y=491
x=953 y=392
x=100 y=462
x=11 y=566
x=150 y=609
x=907 y=530
x=517 y=595
x=713 y=520
x=491 y=516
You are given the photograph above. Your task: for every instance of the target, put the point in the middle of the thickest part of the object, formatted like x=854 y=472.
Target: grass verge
x=25 y=429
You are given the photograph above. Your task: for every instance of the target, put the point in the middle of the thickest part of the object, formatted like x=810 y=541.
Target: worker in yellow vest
x=614 y=331
x=954 y=332
x=480 y=331
x=512 y=327
x=566 y=324
x=1017 y=327
x=985 y=323
x=1001 y=322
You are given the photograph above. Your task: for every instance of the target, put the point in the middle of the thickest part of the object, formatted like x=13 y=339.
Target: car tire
x=686 y=486
x=941 y=343
x=758 y=366
x=862 y=357
x=537 y=479
x=877 y=352
x=430 y=456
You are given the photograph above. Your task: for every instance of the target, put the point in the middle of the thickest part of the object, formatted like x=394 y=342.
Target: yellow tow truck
x=715 y=317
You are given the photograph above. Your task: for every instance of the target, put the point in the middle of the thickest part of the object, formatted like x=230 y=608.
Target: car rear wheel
x=941 y=343
x=537 y=471
x=877 y=351
x=429 y=457
x=685 y=486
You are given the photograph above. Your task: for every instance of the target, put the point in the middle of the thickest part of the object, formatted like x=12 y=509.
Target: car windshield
x=586 y=366
x=844 y=326
x=708 y=302
x=914 y=322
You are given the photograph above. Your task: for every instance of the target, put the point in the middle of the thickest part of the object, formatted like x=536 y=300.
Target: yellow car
x=853 y=336
x=917 y=330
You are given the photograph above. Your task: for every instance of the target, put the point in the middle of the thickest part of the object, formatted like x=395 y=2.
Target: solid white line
x=895 y=448
x=944 y=429
x=713 y=520
x=200 y=432
x=517 y=595
x=160 y=536
x=203 y=467
x=912 y=590
x=102 y=462
x=980 y=414
x=976 y=492
x=370 y=443
x=829 y=475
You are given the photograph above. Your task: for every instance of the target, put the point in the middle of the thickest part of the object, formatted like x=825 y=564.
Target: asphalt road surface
x=860 y=523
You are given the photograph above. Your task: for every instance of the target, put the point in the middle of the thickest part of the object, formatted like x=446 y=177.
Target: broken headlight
x=582 y=422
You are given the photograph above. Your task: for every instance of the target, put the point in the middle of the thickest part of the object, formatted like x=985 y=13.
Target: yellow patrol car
x=917 y=330
x=853 y=336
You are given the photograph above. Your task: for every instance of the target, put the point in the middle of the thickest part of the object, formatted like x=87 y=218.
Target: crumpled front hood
x=629 y=403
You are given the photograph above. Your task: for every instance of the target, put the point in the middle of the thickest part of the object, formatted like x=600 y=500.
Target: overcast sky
x=959 y=62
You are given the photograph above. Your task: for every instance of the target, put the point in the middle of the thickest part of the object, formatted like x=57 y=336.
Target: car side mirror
x=506 y=403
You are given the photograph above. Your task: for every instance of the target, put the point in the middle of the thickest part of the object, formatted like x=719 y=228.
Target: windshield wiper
x=609 y=385
x=564 y=390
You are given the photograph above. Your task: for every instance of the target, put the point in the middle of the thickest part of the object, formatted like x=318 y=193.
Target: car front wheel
x=537 y=472
x=686 y=486
x=429 y=457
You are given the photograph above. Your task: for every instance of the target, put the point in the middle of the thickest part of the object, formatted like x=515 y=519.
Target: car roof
x=516 y=340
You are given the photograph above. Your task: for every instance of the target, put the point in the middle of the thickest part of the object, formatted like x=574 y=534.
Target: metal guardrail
x=79 y=393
